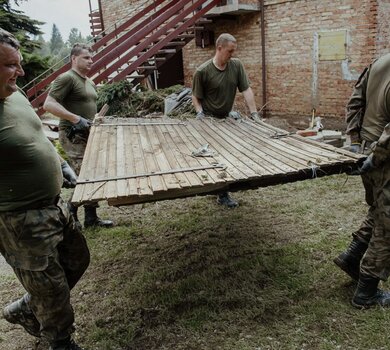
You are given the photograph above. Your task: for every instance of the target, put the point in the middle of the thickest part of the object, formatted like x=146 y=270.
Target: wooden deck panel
x=136 y=160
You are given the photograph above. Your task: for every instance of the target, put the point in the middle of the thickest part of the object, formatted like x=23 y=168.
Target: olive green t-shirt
x=76 y=94
x=216 y=88
x=30 y=169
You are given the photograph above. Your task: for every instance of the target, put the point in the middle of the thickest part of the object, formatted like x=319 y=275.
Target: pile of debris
x=316 y=132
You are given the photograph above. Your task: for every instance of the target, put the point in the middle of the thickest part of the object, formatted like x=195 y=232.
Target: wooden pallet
x=131 y=160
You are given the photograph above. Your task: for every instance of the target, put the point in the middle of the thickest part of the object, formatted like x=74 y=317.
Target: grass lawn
x=188 y=274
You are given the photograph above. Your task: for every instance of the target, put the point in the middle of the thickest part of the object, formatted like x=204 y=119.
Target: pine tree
x=25 y=29
x=75 y=37
x=56 y=42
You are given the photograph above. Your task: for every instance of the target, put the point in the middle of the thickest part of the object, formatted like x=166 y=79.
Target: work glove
x=366 y=166
x=354 y=147
x=200 y=115
x=255 y=116
x=83 y=125
x=235 y=115
x=69 y=176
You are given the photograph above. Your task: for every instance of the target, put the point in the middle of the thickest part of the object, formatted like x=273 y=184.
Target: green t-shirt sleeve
x=243 y=80
x=61 y=87
x=197 y=86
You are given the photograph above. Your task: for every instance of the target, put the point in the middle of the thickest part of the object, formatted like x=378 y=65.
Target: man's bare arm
x=52 y=106
x=250 y=99
x=197 y=104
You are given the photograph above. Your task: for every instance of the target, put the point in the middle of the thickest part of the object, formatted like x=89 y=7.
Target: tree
x=24 y=28
x=75 y=37
x=44 y=49
x=56 y=42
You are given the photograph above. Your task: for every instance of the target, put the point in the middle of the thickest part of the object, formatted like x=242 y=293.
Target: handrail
x=114 y=45
x=129 y=48
x=51 y=68
x=167 y=39
x=133 y=40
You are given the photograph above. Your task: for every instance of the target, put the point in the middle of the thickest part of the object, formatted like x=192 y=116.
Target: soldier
x=72 y=98
x=38 y=236
x=349 y=260
x=214 y=88
x=375 y=134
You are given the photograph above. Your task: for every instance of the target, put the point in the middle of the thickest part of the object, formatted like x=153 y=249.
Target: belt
x=40 y=204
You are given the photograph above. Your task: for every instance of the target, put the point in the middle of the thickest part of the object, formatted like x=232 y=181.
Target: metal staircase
x=137 y=46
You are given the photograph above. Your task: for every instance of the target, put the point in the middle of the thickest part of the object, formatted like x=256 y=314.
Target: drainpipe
x=263 y=68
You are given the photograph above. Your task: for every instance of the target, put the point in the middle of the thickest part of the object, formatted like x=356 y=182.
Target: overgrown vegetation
x=126 y=101
x=187 y=274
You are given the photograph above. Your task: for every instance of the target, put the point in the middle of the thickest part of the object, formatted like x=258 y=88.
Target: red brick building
x=314 y=49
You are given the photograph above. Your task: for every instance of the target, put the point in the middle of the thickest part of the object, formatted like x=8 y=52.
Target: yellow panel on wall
x=332 y=45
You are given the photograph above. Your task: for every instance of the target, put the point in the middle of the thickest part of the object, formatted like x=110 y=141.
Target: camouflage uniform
x=354 y=117
x=48 y=255
x=375 y=129
x=376 y=261
x=38 y=237
x=74 y=149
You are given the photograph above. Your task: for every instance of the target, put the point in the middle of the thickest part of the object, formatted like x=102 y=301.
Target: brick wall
x=297 y=80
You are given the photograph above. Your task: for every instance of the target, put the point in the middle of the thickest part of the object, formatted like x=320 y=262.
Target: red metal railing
x=140 y=37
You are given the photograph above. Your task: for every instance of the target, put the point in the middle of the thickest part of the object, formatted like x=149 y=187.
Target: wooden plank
x=144 y=184
x=260 y=160
x=277 y=151
x=121 y=162
x=195 y=141
x=96 y=191
x=225 y=150
x=176 y=144
x=170 y=180
x=169 y=150
x=111 y=190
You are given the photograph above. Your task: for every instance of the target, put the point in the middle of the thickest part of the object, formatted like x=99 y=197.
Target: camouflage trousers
x=376 y=261
x=49 y=255
x=74 y=149
x=364 y=233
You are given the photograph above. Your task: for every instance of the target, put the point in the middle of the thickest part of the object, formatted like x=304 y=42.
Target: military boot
x=367 y=293
x=349 y=261
x=20 y=313
x=92 y=220
x=65 y=344
x=225 y=199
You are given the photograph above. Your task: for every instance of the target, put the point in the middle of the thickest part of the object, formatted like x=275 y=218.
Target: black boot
x=73 y=210
x=225 y=199
x=20 y=313
x=367 y=293
x=65 y=344
x=92 y=220
x=349 y=261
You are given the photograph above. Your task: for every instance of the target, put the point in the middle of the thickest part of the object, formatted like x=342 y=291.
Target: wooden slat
x=153 y=159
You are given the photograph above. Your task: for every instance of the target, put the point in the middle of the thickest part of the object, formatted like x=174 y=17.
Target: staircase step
x=186 y=36
x=175 y=43
x=147 y=67
x=204 y=21
x=166 y=51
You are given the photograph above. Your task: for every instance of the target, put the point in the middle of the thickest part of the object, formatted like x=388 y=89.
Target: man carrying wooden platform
x=73 y=99
x=214 y=88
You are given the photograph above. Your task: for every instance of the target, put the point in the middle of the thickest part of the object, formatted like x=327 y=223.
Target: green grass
x=188 y=274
